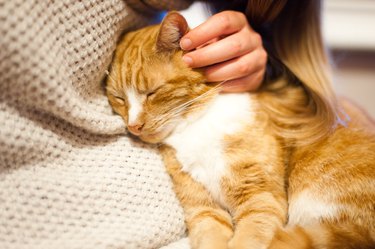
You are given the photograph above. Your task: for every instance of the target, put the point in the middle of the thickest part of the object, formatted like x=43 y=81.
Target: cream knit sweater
x=69 y=175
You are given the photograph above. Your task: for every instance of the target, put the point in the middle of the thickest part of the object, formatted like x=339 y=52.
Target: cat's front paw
x=245 y=242
x=211 y=244
x=213 y=238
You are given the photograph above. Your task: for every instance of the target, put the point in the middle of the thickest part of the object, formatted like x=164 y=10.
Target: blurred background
x=349 y=30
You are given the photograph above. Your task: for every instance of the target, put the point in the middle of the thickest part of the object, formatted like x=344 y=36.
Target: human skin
x=227 y=49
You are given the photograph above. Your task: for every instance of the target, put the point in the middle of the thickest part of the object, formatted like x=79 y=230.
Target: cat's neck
x=226 y=114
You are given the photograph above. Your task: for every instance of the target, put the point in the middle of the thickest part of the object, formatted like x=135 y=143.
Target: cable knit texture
x=69 y=175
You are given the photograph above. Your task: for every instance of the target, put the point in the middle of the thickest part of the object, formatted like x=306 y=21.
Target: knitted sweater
x=70 y=177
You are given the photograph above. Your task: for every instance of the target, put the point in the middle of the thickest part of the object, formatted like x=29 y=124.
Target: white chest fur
x=199 y=143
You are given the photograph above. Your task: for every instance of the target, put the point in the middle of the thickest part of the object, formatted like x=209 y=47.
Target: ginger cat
x=241 y=184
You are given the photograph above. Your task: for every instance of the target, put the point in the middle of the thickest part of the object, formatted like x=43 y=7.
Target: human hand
x=227 y=49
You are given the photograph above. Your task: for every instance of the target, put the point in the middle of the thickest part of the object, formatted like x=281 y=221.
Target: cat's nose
x=135 y=129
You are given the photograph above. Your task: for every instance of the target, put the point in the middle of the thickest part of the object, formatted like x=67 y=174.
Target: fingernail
x=187 y=60
x=185 y=43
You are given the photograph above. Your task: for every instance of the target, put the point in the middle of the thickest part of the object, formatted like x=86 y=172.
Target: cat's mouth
x=152 y=134
x=155 y=136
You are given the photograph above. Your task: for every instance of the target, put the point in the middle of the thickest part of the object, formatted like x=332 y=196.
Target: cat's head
x=150 y=86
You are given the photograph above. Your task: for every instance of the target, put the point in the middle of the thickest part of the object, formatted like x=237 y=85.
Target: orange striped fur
x=271 y=194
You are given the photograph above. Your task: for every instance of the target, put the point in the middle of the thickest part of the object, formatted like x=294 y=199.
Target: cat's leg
x=209 y=226
x=258 y=205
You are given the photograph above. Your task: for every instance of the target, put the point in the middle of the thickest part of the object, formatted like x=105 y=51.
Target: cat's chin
x=154 y=138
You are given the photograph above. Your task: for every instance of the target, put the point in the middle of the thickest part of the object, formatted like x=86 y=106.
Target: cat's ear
x=173 y=27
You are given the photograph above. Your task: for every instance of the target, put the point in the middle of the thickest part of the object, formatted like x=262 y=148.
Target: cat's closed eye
x=152 y=93
x=120 y=100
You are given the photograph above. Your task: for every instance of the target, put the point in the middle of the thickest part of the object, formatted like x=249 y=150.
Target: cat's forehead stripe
x=135 y=105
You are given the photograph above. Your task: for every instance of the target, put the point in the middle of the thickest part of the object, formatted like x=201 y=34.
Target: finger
x=208 y=43
x=223 y=23
x=237 y=68
x=247 y=83
x=228 y=48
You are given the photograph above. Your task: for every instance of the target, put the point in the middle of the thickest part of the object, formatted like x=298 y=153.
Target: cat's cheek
x=155 y=137
x=123 y=113
x=151 y=139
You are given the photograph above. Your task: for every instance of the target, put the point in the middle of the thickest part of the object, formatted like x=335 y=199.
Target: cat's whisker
x=172 y=117
x=182 y=107
x=202 y=95
x=176 y=111
x=166 y=117
x=173 y=112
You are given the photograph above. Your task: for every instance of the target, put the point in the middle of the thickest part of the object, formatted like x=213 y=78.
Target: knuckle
x=241 y=16
x=263 y=56
x=257 y=82
x=236 y=47
x=257 y=39
x=228 y=19
x=244 y=68
x=261 y=75
x=224 y=20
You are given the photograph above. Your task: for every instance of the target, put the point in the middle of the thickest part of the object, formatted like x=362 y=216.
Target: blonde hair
x=306 y=109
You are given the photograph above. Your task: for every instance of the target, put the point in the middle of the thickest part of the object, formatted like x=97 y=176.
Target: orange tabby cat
x=241 y=184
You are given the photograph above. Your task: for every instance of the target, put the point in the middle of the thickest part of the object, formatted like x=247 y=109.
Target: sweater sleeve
x=69 y=175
